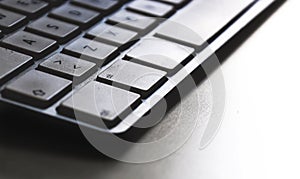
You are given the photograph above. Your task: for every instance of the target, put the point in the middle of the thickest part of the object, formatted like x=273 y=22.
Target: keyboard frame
x=201 y=57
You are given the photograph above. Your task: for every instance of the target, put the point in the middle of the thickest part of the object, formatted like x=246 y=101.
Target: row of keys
x=62 y=32
x=38 y=46
x=42 y=89
x=139 y=79
x=133 y=77
x=83 y=17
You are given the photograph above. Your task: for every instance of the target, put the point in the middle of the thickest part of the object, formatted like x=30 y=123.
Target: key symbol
x=112 y=33
x=149 y=7
x=109 y=76
x=39 y=92
x=58 y=61
x=104 y=113
x=130 y=18
x=76 y=67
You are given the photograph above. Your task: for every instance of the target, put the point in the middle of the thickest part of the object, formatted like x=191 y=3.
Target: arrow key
x=37 y=88
x=68 y=67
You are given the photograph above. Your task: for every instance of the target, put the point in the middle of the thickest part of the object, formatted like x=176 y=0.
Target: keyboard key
x=37 y=88
x=96 y=52
x=131 y=20
x=30 y=44
x=12 y=63
x=112 y=34
x=151 y=8
x=138 y=78
x=10 y=21
x=31 y=8
x=160 y=54
x=68 y=67
x=211 y=15
x=76 y=15
x=96 y=102
x=55 y=29
x=98 y=5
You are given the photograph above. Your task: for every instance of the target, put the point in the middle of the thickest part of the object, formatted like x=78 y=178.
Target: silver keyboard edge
x=246 y=18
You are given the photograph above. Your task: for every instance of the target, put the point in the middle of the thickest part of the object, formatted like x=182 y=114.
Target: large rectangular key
x=97 y=52
x=37 y=88
x=12 y=63
x=99 y=104
x=201 y=20
x=160 y=54
x=30 y=44
x=68 y=67
x=131 y=76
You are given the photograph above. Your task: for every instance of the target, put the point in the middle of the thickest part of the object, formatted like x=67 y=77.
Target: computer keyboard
x=87 y=57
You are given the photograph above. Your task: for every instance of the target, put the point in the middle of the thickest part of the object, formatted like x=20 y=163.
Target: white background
x=260 y=134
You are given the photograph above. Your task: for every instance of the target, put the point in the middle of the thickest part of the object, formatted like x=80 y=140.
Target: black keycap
x=96 y=102
x=113 y=35
x=76 y=15
x=55 y=29
x=131 y=20
x=12 y=63
x=30 y=44
x=31 y=8
x=10 y=21
x=37 y=88
x=160 y=54
x=134 y=77
x=98 y=5
x=68 y=67
x=94 y=51
x=151 y=8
